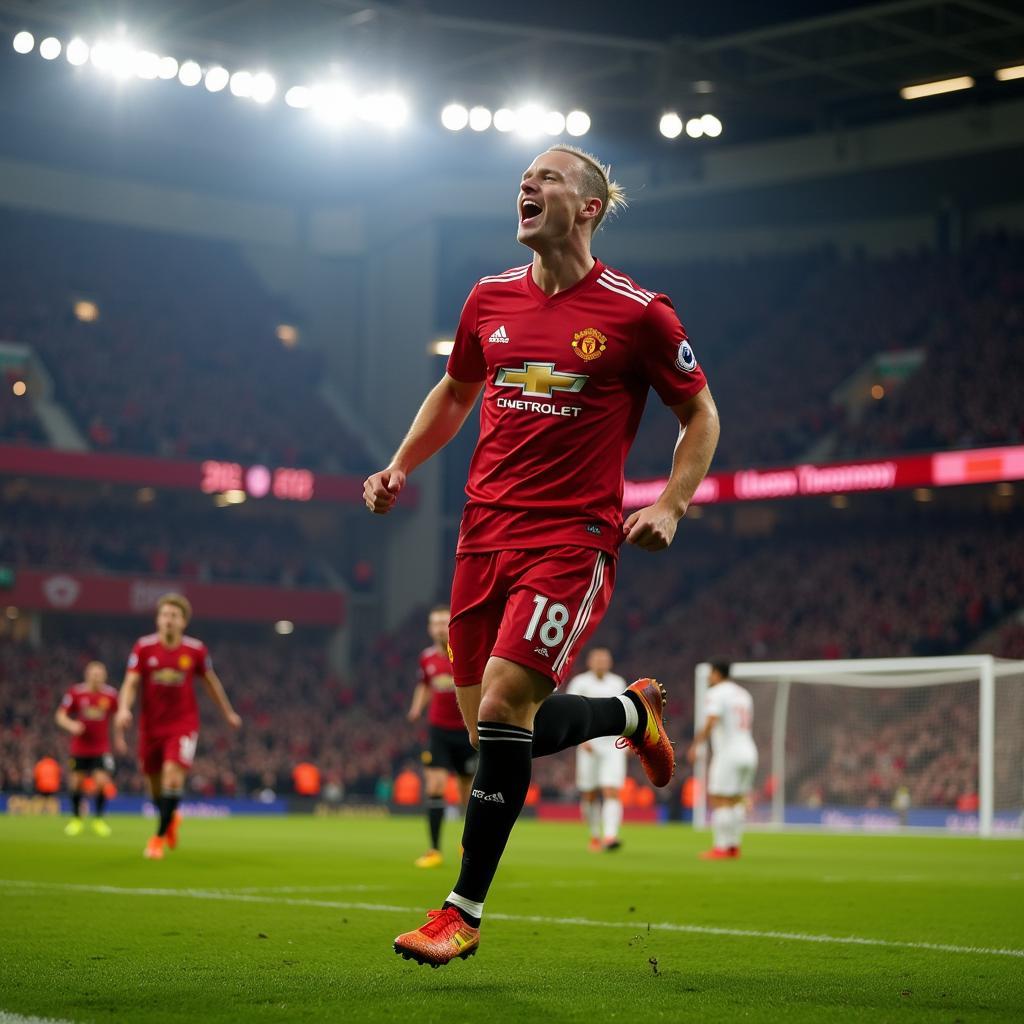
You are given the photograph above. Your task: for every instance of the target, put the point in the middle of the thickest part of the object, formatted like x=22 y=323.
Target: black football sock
x=499 y=792
x=566 y=720
x=435 y=815
x=100 y=802
x=168 y=804
x=76 y=802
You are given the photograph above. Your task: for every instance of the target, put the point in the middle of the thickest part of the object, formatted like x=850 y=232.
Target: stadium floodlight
x=167 y=69
x=387 y=109
x=217 y=78
x=530 y=120
x=711 y=125
x=284 y=627
x=298 y=96
x=694 y=128
x=190 y=73
x=671 y=125
x=455 y=117
x=554 y=122
x=50 y=47
x=917 y=92
x=504 y=120
x=77 y=52
x=99 y=55
x=332 y=102
x=441 y=347
x=577 y=122
x=120 y=60
x=264 y=87
x=241 y=84
x=147 y=64
x=24 y=42
x=1002 y=75
x=479 y=119
x=20 y=388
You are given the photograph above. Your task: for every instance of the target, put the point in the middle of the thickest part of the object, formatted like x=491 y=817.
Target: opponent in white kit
x=600 y=764
x=729 y=719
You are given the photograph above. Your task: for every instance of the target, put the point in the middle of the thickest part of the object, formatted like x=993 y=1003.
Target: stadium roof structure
x=764 y=69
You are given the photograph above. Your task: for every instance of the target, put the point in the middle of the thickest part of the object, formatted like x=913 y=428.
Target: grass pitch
x=292 y=920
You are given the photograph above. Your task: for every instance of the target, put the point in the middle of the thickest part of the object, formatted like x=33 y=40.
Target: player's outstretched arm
x=125 y=703
x=67 y=723
x=701 y=738
x=420 y=697
x=653 y=528
x=439 y=419
x=215 y=689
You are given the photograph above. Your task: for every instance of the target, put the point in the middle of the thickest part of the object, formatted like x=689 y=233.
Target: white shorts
x=732 y=775
x=604 y=767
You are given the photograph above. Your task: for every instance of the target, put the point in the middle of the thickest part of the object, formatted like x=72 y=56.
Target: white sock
x=721 y=819
x=590 y=811
x=474 y=909
x=632 y=717
x=611 y=817
x=739 y=819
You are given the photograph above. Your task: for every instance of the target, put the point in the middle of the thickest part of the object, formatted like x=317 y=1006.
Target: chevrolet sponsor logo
x=541 y=380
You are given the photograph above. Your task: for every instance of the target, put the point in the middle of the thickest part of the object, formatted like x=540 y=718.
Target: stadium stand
x=182 y=359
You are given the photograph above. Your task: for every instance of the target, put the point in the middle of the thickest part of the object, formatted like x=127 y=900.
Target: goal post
x=883 y=743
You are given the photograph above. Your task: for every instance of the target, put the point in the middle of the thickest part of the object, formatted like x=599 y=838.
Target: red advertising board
x=937 y=469
x=39 y=590
x=213 y=476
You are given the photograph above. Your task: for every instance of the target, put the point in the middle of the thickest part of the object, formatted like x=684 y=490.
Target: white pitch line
x=583 y=922
x=17 y=1018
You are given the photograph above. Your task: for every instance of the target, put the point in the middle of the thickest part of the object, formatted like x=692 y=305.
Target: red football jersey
x=168 y=706
x=94 y=709
x=436 y=674
x=567 y=378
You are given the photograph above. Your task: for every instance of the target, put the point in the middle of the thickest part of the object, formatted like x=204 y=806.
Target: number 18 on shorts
x=534 y=608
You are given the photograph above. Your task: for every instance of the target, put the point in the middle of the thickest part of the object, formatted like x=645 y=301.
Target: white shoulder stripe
x=626 y=283
x=507 y=275
x=605 y=283
x=191 y=641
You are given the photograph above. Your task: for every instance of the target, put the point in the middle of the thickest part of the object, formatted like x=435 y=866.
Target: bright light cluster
x=332 y=102
x=672 y=126
x=530 y=120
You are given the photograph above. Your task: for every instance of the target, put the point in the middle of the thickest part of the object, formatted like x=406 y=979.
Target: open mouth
x=528 y=211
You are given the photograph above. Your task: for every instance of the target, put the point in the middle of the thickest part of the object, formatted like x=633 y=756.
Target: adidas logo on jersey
x=492 y=798
x=499 y=337
x=542 y=651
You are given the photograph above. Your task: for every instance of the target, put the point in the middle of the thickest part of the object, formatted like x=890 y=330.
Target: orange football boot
x=653 y=746
x=716 y=853
x=445 y=936
x=154 y=848
x=172 y=831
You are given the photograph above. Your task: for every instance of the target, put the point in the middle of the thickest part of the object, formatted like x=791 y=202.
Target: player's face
x=95 y=675
x=437 y=627
x=599 y=661
x=170 y=620
x=549 y=203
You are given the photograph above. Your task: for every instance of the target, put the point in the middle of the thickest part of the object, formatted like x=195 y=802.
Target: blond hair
x=178 y=601
x=596 y=180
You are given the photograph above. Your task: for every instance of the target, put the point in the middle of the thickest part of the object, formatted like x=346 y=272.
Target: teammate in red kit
x=85 y=712
x=450 y=749
x=166 y=663
x=565 y=350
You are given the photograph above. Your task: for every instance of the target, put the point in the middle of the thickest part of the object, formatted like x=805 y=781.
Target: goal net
x=884 y=743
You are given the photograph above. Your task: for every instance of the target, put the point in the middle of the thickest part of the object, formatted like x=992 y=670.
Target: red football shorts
x=537 y=608
x=154 y=751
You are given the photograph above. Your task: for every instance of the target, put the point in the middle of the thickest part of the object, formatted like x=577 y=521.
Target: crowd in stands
x=182 y=359
x=808 y=322
x=805 y=594
x=168 y=538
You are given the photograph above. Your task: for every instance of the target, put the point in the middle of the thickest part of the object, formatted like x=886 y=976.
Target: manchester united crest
x=589 y=343
x=185 y=662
